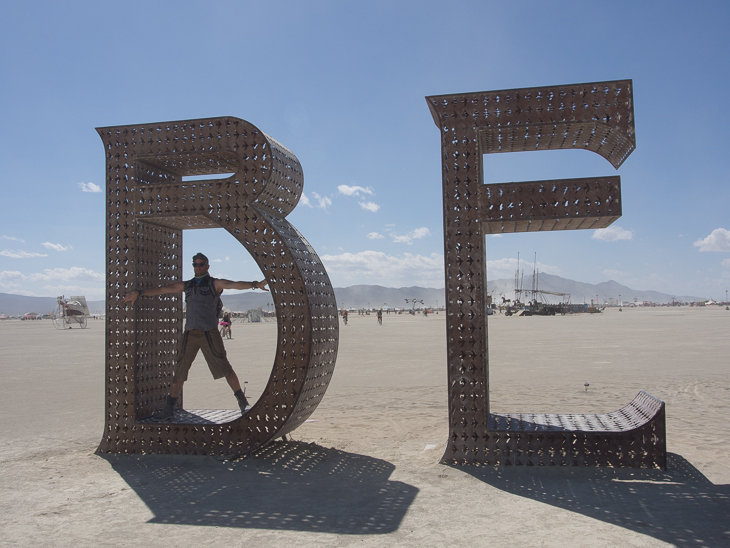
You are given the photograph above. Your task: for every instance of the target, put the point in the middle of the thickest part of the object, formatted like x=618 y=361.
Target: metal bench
x=633 y=436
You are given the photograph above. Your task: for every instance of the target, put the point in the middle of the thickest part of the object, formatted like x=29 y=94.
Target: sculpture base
x=197 y=416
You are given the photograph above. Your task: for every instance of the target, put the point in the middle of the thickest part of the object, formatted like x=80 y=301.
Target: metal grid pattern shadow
x=251 y=184
x=594 y=116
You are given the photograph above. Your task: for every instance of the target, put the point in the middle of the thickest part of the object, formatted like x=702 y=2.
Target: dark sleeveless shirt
x=201 y=304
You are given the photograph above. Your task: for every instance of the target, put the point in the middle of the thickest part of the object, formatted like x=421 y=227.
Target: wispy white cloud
x=369 y=206
x=89 y=187
x=21 y=254
x=68 y=290
x=65 y=275
x=718 y=240
x=416 y=234
x=57 y=281
x=355 y=190
x=304 y=200
x=375 y=236
x=7 y=275
x=506 y=268
x=12 y=239
x=725 y=268
x=360 y=192
x=375 y=267
x=612 y=234
x=10 y=280
x=616 y=274
x=323 y=202
x=91 y=292
x=56 y=247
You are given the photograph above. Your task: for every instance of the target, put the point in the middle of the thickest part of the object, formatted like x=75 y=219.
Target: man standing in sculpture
x=202 y=298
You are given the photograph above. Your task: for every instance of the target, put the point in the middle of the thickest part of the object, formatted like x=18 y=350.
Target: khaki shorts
x=211 y=343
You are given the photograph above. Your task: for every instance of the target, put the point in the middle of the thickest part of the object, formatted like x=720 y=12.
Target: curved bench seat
x=642 y=409
x=633 y=436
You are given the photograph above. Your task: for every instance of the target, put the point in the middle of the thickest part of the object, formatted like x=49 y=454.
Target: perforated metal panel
x=151 y=200
x=568 y=204
x=597 y=117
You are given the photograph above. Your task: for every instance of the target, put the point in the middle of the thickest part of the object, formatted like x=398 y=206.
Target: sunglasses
x=199 y=264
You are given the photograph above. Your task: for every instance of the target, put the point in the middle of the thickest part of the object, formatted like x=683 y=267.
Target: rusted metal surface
x=568 y=204
x=595 y=116
x=150 y=202
x=634 y=436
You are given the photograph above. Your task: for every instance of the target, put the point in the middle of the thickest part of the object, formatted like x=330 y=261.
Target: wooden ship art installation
x=152 y=197
x=597 y=117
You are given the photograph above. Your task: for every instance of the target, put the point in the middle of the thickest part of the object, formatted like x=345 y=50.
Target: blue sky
x=342 y=84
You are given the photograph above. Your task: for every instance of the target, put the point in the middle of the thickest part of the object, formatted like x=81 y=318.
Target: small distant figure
x=586 y=385
x=380 y=317
x=226 y=326
x=344 y=316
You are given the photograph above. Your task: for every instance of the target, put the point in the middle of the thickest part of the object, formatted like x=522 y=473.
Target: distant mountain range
x=375 y=296
x=582 y=292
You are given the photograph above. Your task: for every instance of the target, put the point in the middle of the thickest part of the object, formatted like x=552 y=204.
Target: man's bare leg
x=176 y=388
x=233 y=382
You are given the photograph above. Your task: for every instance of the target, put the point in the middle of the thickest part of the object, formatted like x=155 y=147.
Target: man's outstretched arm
x=220 y=285
x=177 y=287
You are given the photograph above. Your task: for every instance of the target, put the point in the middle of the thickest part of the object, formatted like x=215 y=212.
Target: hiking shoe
x=242 y=401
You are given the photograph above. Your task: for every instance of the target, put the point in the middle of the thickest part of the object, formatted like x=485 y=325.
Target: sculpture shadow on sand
x=284 y=486
x=679 y=506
